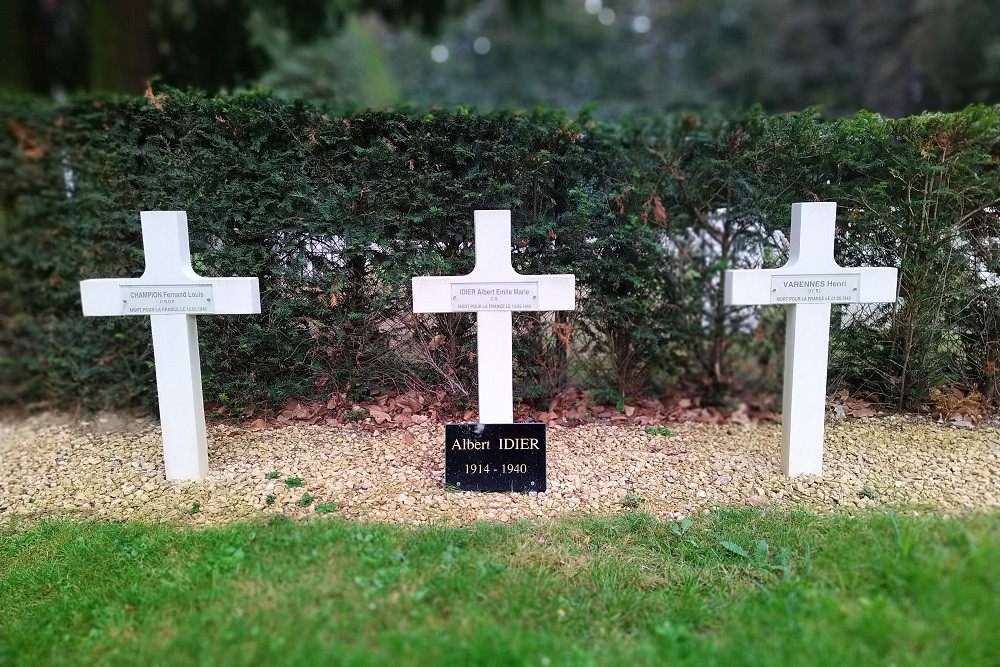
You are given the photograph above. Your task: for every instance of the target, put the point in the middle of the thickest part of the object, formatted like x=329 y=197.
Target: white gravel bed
x=112 y=467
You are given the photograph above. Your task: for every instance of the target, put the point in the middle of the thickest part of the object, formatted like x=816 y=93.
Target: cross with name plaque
x=808 y=284
x=495 y=454
x=171 y=294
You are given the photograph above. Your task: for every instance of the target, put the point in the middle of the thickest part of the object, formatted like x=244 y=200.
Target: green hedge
x=336 y=214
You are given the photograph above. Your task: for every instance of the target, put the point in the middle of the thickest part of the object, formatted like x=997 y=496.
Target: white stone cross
x=171 y=294
x=808 y=285
x=493 y=290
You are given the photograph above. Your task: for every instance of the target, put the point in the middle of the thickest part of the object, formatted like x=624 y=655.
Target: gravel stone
x=112 y=467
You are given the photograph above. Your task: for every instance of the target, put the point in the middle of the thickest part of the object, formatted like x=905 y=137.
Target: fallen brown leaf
x=380 y=416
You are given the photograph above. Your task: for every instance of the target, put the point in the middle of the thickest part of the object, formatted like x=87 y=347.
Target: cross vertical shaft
x=807 y=351
x=182 y=407
x=811 y=243
x=494 y=357
x=492 y=232
x=166 y=247
x=494 y=330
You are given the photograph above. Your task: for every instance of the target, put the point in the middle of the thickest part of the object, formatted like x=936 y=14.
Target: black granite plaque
x=495 y=457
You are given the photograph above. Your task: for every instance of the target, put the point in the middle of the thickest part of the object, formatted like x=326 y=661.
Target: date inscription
x=486 y=469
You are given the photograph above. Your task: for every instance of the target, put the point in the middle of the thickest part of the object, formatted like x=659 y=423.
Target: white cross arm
x=229 y=296
x=169 y=285
x=811 y=274
x=754 y=287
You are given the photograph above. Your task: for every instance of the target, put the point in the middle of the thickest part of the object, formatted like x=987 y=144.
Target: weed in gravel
x=631 y=501
x=292 y=482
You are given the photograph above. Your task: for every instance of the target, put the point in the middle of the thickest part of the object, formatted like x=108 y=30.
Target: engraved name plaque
x=495 y=457
x=842 y=288
x=494 y=296
x=167 y=299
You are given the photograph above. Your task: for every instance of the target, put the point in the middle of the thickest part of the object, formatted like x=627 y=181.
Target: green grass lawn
x=738 y=587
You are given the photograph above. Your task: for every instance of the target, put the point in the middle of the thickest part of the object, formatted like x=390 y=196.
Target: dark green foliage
x=921 y=193
x=335 y=215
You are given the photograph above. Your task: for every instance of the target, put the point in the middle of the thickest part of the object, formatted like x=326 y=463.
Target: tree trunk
x=13 y=58
x=119 y=44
